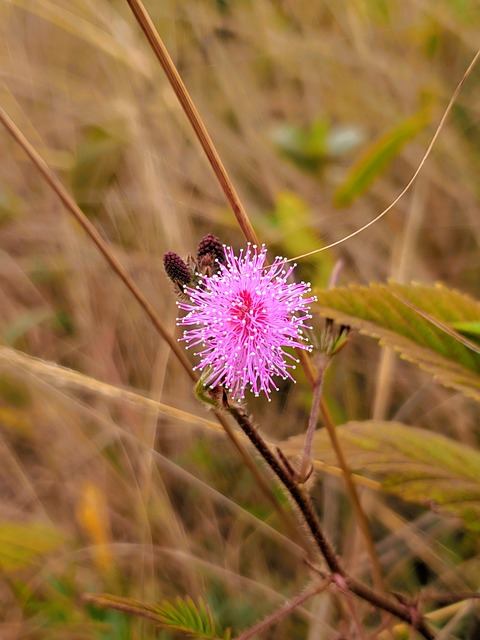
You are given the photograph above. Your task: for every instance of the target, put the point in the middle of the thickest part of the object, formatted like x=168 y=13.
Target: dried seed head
x=210 y=254
x=176 y=269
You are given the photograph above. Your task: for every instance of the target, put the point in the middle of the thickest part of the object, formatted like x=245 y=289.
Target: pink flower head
x=243 y=317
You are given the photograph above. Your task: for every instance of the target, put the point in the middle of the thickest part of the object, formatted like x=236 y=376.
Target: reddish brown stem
x=308 y=514
x=287 y=608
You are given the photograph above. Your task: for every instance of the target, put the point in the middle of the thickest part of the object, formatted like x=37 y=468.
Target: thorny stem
x=300 y=498
x=343 y=463
x=287 y=608
x=305 y=506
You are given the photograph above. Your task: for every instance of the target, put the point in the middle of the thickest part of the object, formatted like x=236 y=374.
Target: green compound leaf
x=181 y=614
x=418 y=321
x=376 y=158
x=415 y=464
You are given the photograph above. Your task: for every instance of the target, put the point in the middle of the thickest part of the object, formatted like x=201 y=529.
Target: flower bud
x=210 y=252
x=176 y=269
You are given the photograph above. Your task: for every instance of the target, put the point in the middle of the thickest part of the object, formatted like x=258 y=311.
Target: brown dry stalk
x=355 y=500
x=95 y=237
x=193 y=116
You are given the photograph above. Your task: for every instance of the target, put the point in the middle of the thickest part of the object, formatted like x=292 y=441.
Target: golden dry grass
x=104 y=490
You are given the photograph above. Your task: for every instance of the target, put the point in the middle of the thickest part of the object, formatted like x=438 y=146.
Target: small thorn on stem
x=339 y=581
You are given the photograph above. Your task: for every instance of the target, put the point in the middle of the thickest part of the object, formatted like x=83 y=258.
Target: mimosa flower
x=244 y=317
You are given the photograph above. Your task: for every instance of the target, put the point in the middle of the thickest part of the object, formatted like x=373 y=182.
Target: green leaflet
x=469 y=329
x=181 y=614
x=312 y=148
x=417 y=321
x=307 y=148
x=415 y=464
x=377 y=156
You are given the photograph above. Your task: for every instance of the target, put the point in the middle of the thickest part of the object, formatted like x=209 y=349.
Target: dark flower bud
x=210 y=249
x=176 y=269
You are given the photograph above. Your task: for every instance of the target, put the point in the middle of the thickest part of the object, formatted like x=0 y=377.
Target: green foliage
x=469 y=329
x=414 y=464
x=99 y=110
x=10 y=207
x=96 y=165
x=55 y=612
x=418 y=321
x=306 y=147
x=377 y=156
x=185 y=615
x=293 y=219
x=22 y=544
x=182 y=614
x=311 y=147
x=22 y=324
x=427 y=326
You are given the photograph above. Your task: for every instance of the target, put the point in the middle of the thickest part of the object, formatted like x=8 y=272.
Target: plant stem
x=287 y=608
x=351 y=489
x=300 y=498
x=347 y=476
x=357 y=506
x=193 y=116
x=308 y=514
x=313 y=419
x=84 y=222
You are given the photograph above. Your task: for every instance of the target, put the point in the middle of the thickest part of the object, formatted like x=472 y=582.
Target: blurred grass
x=295 y=95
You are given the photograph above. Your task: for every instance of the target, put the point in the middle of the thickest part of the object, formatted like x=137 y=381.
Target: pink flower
x=243 y=318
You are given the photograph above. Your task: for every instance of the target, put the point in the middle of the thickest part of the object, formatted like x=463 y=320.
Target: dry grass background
x=103 y=491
